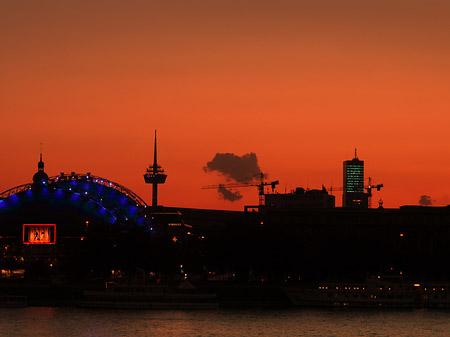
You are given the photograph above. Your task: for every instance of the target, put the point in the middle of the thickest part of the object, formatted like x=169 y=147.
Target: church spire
x=41 y=163
x=40 y=177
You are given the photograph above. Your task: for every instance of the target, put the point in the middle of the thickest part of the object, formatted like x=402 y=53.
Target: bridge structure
x=94 y=195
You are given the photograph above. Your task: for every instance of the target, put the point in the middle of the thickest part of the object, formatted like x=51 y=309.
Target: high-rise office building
x=354 y=195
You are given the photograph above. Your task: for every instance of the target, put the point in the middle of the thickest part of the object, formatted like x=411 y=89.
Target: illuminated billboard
x=39 y=234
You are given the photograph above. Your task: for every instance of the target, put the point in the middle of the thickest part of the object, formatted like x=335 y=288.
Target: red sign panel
x=39 y=234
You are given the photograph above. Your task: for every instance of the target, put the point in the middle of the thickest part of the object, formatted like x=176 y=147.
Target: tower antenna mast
x=155 y=175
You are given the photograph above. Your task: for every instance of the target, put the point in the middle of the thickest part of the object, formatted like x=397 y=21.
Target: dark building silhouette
x=351 y=243
x=81 y=230
x=300 y=198
x=353 y=195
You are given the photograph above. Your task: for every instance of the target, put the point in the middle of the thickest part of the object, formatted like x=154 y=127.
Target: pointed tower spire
x=155 y=162
x=41 y=163
x=40 y=176
x=155 y=175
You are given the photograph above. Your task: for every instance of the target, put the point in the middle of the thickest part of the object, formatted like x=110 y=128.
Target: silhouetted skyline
x=299 y=83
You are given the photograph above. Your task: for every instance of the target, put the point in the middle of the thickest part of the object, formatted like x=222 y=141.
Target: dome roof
x=39 y=176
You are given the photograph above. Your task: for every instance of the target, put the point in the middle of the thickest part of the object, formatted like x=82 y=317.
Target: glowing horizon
x=298 y=83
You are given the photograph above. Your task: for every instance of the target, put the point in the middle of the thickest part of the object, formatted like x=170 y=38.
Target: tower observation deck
x=155 y=175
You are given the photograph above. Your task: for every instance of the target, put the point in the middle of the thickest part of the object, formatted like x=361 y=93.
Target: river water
x=46 y=321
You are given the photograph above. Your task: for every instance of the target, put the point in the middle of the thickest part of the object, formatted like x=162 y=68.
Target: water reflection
x=292 y=322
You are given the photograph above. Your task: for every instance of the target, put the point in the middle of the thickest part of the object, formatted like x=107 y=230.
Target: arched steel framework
x=107 y=199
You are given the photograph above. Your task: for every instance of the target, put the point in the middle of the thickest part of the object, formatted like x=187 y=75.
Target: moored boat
x=376 y=292
x=13 y=301
x=148 y=297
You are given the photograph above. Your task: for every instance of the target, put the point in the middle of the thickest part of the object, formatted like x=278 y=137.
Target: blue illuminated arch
x=94 y=195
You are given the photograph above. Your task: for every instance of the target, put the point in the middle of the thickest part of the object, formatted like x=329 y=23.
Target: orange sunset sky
x=299 y=83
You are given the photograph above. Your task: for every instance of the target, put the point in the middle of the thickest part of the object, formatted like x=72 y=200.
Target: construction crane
x=367 y=187
x=261 y=185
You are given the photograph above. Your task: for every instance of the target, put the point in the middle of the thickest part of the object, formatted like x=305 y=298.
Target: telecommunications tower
x=155 y=175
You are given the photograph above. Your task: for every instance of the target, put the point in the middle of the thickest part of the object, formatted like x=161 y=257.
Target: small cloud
x=425 y=200
x=229 y=195
x=235 y=167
